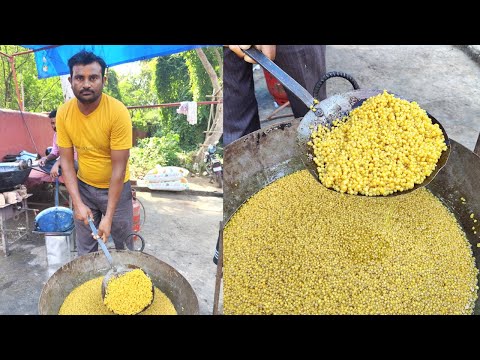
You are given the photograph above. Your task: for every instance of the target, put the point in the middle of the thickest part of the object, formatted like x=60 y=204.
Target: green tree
x=173 y=85
x=138 y=89
x=182 y=77
x=39 y=94
x=215 y=122
x=112 y=88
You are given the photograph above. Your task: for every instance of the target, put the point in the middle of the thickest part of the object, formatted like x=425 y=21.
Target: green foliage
x=172 y=85
x=40 y=94
x=152 y=151
x=139 y=89
x=111 y=87
x=185 y=159
x=182 y=77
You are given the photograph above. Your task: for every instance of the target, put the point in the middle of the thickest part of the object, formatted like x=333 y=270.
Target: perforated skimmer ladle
x=325 y=112
x=115 y=271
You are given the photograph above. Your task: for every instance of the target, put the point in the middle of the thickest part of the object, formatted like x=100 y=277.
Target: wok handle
x=331 y=74
x=285 y=79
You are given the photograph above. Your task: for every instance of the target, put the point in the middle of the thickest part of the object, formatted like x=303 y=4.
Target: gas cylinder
x=136 y=212
x=275 y=88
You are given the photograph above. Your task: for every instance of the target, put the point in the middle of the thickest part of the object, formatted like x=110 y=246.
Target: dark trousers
x=122 y=225
x=305 y=63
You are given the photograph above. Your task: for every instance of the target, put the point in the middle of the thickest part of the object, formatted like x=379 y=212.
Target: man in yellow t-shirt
x=100 y=128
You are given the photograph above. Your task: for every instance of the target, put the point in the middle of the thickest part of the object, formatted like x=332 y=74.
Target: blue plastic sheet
x=53 y=61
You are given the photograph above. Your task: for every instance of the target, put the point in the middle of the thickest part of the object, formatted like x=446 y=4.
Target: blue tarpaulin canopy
x=52 y=60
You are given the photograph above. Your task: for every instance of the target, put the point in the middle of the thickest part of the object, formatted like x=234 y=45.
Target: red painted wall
x=14 y=136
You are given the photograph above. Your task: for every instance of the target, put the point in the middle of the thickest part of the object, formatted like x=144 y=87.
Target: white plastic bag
x=177 y=185
x=165 y=173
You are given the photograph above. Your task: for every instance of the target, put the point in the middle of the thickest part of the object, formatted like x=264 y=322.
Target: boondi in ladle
x=129 y=293
x=385 y=145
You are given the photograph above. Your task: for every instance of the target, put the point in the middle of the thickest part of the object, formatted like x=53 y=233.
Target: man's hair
x=52 y=114
x=84 y=58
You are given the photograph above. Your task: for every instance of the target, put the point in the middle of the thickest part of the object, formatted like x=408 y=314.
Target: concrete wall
x=14 y=136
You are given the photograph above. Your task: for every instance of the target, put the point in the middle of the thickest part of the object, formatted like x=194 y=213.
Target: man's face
x=53 y=122
x=87 y=82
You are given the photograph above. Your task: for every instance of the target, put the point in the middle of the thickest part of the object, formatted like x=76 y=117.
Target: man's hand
x=269 y=51
x=54 y=171
x=83 y=212
x=42 y=161
x=105 y=228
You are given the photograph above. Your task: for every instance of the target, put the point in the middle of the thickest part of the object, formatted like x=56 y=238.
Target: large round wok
x=12 y=176
x=93 y=265
x=268 y=154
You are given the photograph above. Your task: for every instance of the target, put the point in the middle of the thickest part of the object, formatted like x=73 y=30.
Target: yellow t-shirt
x=108 y=127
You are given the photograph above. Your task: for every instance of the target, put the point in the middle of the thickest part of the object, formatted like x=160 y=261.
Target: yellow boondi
x=297 y=248
x=129 y=293
x=384 y=146
x=86 y=299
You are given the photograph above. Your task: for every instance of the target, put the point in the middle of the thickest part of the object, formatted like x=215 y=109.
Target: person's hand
x=42 y=161
x=269 y=51
x=54 y=171
x=83 y=213
x=105 y=228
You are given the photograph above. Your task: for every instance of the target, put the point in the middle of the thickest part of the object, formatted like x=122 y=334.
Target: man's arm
x=82 y=211
x=55 y=168
x=44 y=159
x=54 y=154
x=119 y=168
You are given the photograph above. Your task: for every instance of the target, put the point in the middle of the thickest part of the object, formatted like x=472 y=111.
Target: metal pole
x=32 y=51
x=171 y=105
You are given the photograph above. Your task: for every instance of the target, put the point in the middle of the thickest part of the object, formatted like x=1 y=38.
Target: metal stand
x=59 y=248
x=7 y=212
x=280 y=108
x=218 y=278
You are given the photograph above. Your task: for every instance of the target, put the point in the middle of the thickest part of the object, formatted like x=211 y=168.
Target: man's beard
x=89 y=100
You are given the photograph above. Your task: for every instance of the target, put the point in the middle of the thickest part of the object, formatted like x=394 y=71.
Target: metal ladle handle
x=56 y=191
x=285 y=79
x=100 y=242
